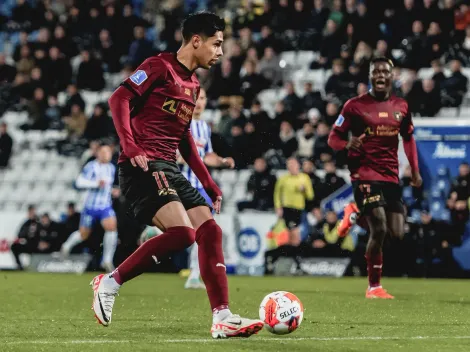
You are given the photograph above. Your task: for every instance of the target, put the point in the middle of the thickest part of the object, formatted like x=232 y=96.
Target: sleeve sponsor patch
x=139 y=77
x=339 y=121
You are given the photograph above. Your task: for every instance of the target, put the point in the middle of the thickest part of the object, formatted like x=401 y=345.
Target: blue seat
x=439 y=211
x=407 y=196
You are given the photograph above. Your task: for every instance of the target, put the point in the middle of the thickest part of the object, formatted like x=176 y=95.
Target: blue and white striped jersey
x=202 y=136
x=89 y=179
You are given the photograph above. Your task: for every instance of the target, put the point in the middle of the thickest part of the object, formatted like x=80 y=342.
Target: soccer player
x=201 y=133
x=152 y=112
x=375 y=120
x=97 y=177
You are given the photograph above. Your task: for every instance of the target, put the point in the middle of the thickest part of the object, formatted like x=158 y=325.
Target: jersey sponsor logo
x=139 y=77
x=369 y=132
x=387 y=131
x=339 y=121
x=186 y=112
x=170 y=105
x=383 y=115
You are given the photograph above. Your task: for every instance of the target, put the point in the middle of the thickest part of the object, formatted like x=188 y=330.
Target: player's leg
x=194 y=281
x=82 y=234
x=110 y=238
x=396 y=224
x=154 y=202
x=213 y=272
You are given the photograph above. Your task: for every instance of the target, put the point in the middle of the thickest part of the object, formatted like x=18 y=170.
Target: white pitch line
x=255 y=339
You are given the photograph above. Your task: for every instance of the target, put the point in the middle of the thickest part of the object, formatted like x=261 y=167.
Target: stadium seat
x=228 y=176
x=439 y=211
x=244 y=176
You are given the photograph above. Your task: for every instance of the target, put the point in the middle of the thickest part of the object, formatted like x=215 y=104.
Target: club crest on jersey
x=139 y=77
x=397 y=115
x=339 y=121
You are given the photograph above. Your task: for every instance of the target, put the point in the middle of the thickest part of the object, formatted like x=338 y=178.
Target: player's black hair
x=382 y=59
x=203 y=23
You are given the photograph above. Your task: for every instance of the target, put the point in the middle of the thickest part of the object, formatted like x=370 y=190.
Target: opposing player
x=375 y=120
x=201 y=133
x=152 y=112
x=97 y=178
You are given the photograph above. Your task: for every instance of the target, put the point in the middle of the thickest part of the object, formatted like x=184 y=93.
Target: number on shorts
x=158 y=175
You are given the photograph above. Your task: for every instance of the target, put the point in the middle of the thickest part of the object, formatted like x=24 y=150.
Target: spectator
x=287 y=140
x=331 y=182
x=90 y=73
x=312 y=99
x=50 y=237
x=339 y=85
x=269 y=67
x=292 y=103
x=59 y=70
x=308 y=168
x=260 y=187
x=251 y=83
x=6 y=146
x=73 y=98
x=424 y=98
x=321 y=150
x=455 y=86
x=28 y=236
x=75 y=123
x=324 y=240
x=306 y=140
x=37 y=112
x=140 y=48
x=99 y=125
x=263 y=125
x=459 y=198
x=7 y=72
x=109 y=52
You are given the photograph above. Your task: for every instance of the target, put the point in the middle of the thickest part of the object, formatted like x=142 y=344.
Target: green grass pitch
x=48 y=312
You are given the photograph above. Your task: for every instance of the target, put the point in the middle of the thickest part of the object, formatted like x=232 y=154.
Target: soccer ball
x=282 y=312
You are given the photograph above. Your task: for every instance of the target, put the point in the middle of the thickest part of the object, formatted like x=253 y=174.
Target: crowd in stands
x=52 y=47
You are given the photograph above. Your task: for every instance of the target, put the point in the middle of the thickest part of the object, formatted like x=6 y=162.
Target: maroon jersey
x=381 y=122
x=165 y=117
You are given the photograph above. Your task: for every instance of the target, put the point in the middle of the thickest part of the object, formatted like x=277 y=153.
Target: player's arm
x=277 y=196
x=86 y=179
x=338 y=138
x=308 y=188
x=190 y=154
x=409 y=145
x=119 y=104
x=213 y=160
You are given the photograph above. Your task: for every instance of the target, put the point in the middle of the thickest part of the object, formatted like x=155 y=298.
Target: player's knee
x=395 y=232
x=187 y=235
x=209 y=231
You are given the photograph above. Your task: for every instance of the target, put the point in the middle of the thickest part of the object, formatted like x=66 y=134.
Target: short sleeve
x=143 y=77
x=407 y=127
x=343 y=122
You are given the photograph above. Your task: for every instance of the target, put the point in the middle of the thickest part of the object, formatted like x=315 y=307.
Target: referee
x=291 y=193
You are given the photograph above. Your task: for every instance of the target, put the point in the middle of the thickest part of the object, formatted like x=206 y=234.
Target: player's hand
x=115 y=192
x=279 y=212
x=228 y=163
x=217 y=204
x=355 y=143
x=416 y=180
x=141 y=161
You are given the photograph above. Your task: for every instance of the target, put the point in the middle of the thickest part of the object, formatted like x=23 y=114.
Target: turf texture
x=49 y=312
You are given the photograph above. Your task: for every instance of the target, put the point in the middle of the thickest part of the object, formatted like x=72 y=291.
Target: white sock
x=74 y=239
x=220 y=315
x=374 y=288
x=109 y=246
x=110 y=282
x=194 y=263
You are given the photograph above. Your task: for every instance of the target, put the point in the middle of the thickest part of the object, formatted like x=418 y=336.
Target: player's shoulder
x=355 y=101
x=398 y=101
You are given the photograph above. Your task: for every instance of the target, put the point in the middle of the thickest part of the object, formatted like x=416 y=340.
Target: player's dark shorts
x=148 y=191
x=292 y=217
x=373 y=194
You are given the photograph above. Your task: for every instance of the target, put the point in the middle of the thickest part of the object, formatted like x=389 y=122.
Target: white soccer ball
x=282 y=312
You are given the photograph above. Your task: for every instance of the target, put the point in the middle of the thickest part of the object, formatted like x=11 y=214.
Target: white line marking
x=254 y=339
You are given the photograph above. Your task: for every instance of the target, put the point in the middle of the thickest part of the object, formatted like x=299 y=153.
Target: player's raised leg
x=110 y=239
x=178 y=234
x=377 y=221
x=77 y=237
x=213 y=272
